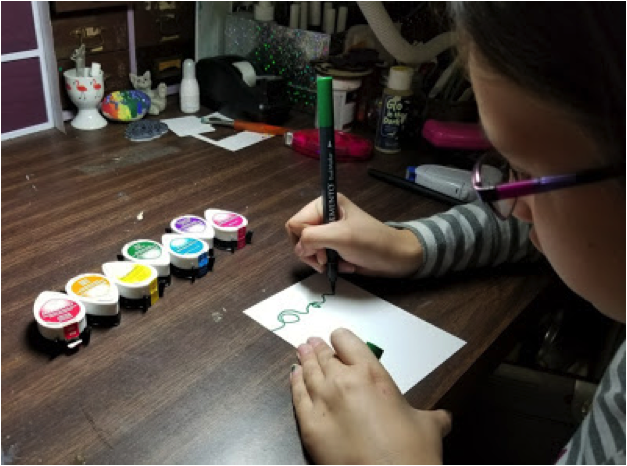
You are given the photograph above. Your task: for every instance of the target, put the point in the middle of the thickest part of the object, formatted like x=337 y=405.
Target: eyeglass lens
x=493 y=171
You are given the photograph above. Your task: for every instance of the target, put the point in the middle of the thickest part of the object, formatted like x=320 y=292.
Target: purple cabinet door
x=18 y=27
x=23 y=99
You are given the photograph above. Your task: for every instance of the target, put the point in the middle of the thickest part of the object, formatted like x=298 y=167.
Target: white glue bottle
x=189 y=92
x=394 y=109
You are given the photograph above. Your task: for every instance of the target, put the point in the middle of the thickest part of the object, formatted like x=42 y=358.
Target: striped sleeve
x=600 y=439
x=469 y=236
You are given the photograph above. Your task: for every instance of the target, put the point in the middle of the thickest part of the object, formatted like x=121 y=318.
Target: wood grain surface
x=192 y=380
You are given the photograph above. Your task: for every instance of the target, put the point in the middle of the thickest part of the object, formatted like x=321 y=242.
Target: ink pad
x=61 y=319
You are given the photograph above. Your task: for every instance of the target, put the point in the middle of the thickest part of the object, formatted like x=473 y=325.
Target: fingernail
x=298 y=249
x=314 y=341
x=304 y=349
x=338 y=331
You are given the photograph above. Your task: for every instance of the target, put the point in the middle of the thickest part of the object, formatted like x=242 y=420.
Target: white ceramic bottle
x=189 y=92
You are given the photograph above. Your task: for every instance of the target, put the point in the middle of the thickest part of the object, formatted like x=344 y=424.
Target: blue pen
x=327 y=165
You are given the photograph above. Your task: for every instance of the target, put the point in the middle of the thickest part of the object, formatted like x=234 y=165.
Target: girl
x=549 y=80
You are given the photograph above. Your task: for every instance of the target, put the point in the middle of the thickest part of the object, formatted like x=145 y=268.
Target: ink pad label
x=71 y=332
x=59 y=310
x=241 y=238
x=191 y=224
x=145 y=250
x=186 y=246
x=154 y=292
x=203 y=260
x=227 y=219
x=91 y=286
x=137 y=274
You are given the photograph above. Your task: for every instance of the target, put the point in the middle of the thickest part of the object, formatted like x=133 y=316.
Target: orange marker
x=241 y=125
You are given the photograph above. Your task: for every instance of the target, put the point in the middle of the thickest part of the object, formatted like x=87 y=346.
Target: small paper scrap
x=188 y=126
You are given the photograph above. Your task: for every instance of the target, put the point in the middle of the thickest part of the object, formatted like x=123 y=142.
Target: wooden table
x=193 y=380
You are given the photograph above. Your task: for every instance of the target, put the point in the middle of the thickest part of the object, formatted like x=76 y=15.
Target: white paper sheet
x=237 y=141
x=187 y=126
x=219 y=115
x=412 y=347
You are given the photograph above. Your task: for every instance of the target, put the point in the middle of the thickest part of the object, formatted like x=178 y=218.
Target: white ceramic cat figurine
x=158 y=96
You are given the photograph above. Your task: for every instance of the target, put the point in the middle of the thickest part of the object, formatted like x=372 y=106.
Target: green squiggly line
x=295 y=315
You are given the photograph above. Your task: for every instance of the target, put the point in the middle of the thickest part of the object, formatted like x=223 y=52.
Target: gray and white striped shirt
x=600 y=438
x=470 y=236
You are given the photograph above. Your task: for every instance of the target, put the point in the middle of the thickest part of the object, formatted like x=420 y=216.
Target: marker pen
x=327 y=165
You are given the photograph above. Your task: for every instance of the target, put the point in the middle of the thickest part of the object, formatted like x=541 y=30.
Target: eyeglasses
x=499 y=185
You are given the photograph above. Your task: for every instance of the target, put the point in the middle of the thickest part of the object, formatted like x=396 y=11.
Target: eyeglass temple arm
x=528 y=187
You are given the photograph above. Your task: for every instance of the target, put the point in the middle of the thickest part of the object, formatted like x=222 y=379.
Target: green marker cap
x=378 y=352
x=325 y=102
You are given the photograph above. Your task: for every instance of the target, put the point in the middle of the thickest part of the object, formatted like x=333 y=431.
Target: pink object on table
x=348 y=147
x=455 y=135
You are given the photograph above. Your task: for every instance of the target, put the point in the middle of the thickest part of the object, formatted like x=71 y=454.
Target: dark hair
x=570 y=52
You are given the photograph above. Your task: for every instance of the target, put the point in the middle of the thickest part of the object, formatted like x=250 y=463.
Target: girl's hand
x=350 y=411
x=365 y=245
